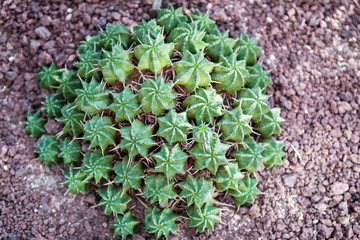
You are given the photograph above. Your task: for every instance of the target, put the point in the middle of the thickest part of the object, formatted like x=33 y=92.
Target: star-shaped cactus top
x=219 y=44
x=270 y=123
x=125 y=105
x=49 y=75
x=230 y=75
x=87 y=66
x=246 y=190
x=247 y=50
x=196 y=191
x=75 y=180
x=70 y=150
x=128 y=173
x=90 y=44
x=124 y=225
x=228 y=177
x=202 y=134
x=204 y=217
x=115 y=34
x=203 y=21
x=170 y=161
x=160 y=221
x=48 y=149
x=100 y=132
x=234 y=125
x=193 y=71
x=114 y=199
x=273 y=152
x=92 y=98
x=258 y=77
x=146 y=28
x=249 y=154
x=159 y=189
x=186 y=36
x=72 y=117
x=170 y=18
x=211 y=156
x=68 y=83
x=156 y=96
x=137 y=139
x=153 y=54
x=204 y=105
x=174 y=127
x=53 y=104
x=96 y=165
x=116 y=65
x=35 y=124
x=253 y=102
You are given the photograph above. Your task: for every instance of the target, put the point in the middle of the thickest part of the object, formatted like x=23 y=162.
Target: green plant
x=35 y=124
x=171 y=117
x=160 y=221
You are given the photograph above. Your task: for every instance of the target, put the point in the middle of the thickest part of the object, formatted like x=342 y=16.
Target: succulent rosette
x=166 y=118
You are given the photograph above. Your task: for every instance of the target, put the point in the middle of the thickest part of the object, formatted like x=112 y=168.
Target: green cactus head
x=272 y=153
x=48 y=149
x=149 y=28
x=160 y=221
x=170 y=18
x=49 y=76
x=202 y=21
x=113 y=35
x=53 y=105
x=204 y=217
x=270 y=123
x=126 y=105
x=35 y=124
x=219 y=44
x=68 y=83
x=72 y=119
x=247 y=50
x=156 y=96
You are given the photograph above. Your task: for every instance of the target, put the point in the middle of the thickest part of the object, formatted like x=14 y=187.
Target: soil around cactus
x=313 y=52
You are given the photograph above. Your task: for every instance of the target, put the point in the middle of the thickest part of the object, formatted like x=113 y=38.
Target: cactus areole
x=172 y=114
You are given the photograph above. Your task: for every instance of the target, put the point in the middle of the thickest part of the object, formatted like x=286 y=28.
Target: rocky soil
x=313 y=51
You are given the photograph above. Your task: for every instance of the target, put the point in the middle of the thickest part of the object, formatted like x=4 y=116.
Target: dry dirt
x=313 y=51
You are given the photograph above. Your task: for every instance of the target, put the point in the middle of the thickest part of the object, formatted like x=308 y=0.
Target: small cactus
x=174 y=127
x=97 y=166
x=159 y=189
x=48 y=149
x=124 y=225
x=170 y=18
x=49 y=76
x=35 y=124
x=114 y=199
x=196 y=191
x=160 y=221
x=204 y=217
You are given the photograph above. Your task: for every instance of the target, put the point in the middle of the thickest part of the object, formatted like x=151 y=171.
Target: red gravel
x=312 y=49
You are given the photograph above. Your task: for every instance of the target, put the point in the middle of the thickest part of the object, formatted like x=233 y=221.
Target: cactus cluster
x=171 y=114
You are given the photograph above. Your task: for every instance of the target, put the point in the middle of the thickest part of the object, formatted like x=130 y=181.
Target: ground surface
x=313 y=52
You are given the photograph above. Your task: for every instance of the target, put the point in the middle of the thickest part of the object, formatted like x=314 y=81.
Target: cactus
x=125 y=105
x=153 y=54
x=53 y=105
x=197 y=192
x=204 y=105
x=124 y=225
x=49 y=76
x=156 y=96
x=92 y=98
x=170 y=18
x=114 y=199
x=210 y=157
x=249 y=154
x=230 y=75
x=172 y=113
x=174 y=127
x=193 y=71
x=160 y=221
x=76 y=181
x=128 y=173
x=97 y=166
x=70 y=150
x=137 y=139
x=116 y=65
x=187 y=37
x=235 y=125
x=247 y=50
x=219 y=45
x=272 y=153
x=170 y=161
x=159 y=189
x=48 y=149
x=68 y=83
x=204 y=217
x=71 y=118
x=35 y=124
